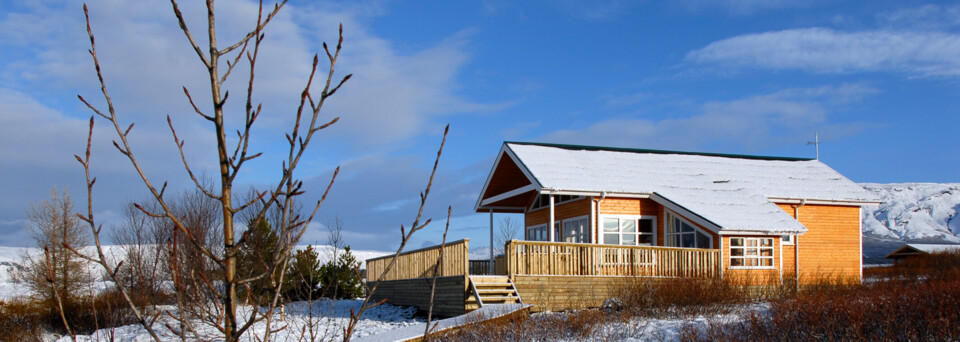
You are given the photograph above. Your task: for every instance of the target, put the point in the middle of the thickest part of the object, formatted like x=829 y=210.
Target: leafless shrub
x=226 y=281
x=508 y=230
x=914 y=302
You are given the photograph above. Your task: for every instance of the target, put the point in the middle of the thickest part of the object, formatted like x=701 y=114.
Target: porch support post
x=491 y=242
x=550 y=233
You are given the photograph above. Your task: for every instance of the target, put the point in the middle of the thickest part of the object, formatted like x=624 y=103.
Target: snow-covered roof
x=732 y=191
x=922 y=248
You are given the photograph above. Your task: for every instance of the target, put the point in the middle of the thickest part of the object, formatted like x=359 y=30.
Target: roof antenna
x=816 y=143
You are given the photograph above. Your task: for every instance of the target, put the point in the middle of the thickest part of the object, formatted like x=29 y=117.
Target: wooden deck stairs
x=486 y=290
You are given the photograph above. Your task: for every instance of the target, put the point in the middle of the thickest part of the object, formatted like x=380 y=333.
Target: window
x=543 y=201
x=628 y=230
x=786 y=240
x=574 y=230
x=536 y=233
x=680 y=233
x=751 y=252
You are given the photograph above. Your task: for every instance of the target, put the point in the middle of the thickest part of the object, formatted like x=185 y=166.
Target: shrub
x=917 y=300
x=338 y=278
x=261 y=245
x=676 y=297
x=302 y=281
x=20 y=321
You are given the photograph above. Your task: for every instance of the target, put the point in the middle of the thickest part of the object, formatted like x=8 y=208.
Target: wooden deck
x=551 y=276
x=581 y=259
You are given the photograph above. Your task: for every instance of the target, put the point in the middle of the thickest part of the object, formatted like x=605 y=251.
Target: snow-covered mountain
x=910 y=212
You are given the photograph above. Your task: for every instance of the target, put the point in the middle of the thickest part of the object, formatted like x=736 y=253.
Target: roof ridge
x=651 y=151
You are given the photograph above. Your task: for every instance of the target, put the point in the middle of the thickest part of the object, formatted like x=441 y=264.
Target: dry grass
x=578 y=325
x=20 y=321
x=26 y=319
x=916 y=300
x=682 y=297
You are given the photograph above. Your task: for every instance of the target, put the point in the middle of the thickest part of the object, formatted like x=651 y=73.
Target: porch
x=549 y=275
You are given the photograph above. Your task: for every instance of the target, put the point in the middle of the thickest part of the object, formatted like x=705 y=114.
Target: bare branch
x=186 y=165
x=186 y=31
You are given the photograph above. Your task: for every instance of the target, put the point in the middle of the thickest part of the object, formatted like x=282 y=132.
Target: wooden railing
x=579 y=259
x=419 y=263
x=482 y=267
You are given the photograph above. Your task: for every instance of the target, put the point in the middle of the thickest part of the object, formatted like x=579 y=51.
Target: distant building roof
x=912 y=249
x=734 y=192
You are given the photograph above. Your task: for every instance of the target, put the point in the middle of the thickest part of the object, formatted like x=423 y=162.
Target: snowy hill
x=910 y=212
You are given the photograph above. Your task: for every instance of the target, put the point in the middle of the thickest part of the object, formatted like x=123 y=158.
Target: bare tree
x=335 y=237
x=231 y=158
x=405 y=236
x=52 y=224
x=142 y=239
x=508 y=230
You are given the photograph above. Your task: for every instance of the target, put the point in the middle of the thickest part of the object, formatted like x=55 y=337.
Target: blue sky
x=878 y=80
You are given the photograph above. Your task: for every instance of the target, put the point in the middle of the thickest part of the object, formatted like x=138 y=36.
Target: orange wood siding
x=630 y=206
x=645 y=207
x=561 y=212
x=831 y=246
x=752 y=276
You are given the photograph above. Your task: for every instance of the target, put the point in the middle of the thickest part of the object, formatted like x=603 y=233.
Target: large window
x=751 y=252
x=680 y=233
x=574 y=230
x=536 y=233
x=629 y=230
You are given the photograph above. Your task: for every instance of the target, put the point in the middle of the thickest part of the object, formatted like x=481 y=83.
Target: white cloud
x=752 y=123
x=929 y=16
x=830 y=51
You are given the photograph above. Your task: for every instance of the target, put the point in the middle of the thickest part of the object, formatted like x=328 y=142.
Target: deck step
x=497 y=291
x=491 y=290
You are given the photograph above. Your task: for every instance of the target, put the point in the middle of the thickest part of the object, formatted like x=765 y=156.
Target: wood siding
x=420 y=263
x=831 y=246
x=629 y=206
x=561 y=212
x=450 y=298
x=756 y=275
x=643 y=207
x=558 y=293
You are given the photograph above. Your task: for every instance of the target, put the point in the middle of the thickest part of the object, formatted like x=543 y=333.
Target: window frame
x=759 y=255
x=788 y=240
x=536 y=227
x=601 y=234
x=585 y=233
x=668 y=217
x=542 y=201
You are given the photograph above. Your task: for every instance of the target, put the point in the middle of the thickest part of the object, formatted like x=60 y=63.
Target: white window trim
x=771 y=257
x=600 y=231
x=788 y=243
x=578 y=218
x=536 y=226
x=667 y=216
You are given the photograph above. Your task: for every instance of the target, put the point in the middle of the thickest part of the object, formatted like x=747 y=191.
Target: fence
x=577 y=259
x=482 y=267
x=420 y=263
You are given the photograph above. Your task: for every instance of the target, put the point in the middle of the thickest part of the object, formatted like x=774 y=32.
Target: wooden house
x=594 y=216
x=920 y=249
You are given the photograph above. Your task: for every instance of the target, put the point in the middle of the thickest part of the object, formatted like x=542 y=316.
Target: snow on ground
x=330 y=317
